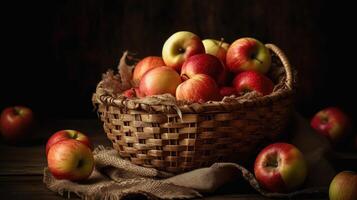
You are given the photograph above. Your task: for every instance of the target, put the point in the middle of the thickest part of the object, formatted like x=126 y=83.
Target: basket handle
x=285 y=62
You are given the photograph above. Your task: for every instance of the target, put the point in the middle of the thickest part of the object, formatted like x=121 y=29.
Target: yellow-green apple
x=180 y=46
x=160 y=80
x=344 y=186
x=227 y=91
x=332 y=123
x=67 y=135
x=253 y=81
x=280 y=167
x=145 y=65
x=16 y=123
x=71 y=160
x=202 y=64
x=198 y=88
x=248 y=54
x=216 y=48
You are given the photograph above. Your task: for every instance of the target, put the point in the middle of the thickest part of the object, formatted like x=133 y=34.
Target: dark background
x=55 y=52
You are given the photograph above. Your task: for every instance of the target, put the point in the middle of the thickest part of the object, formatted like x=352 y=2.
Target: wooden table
x=21 y=167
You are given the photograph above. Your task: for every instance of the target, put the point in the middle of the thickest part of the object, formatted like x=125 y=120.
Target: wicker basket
x=179 y=137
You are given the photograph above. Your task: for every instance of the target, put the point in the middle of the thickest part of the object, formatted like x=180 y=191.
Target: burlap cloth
x=115 y=178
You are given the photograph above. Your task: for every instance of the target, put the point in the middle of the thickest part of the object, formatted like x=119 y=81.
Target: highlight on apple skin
x=199 y=88
x=344 y=186
x=159 y=80
x=203 y=64
x=145 y=65
x=16 y=123
x=332 y=123
x=180 y=46
x=280 y=167
x=248 y=54
x=71 y=160
x=253 y=81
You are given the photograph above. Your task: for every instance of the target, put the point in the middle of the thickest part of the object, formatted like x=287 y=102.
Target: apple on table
x=344 y=186
x=248 y=54
x=16 y=123
x=180 y=46
x=280 y=167
x=332 y=123
x=67 y=135
x=70 y=159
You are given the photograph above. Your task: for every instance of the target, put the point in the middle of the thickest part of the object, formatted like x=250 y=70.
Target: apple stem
x=17 y=110
x=184 y=77
x=181 y=50
x=259 y=60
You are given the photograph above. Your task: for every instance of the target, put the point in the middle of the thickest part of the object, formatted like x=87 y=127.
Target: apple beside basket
x=173 y=137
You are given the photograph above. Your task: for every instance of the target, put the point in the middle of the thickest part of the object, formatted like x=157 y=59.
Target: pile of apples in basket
x=196 y=70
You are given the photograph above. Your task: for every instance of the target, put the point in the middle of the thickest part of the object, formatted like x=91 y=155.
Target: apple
x=71 y=160
x=145 y=65
x=180 y=46
x=280 y=167
x=138 y=93
x=344 y=186
x=160 y=80
x=67 y=135
x=199 y=88
x=16 y=123
x=216 y=48
x=253 y=81
x=332 y=123
x=202 y=64
x=129 y=93
x=227 y=91
x=248 y=54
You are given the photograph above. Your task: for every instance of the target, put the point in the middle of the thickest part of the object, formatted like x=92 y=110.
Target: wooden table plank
x=25 y=187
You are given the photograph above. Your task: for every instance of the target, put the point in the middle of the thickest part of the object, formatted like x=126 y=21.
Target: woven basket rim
x=160 y=103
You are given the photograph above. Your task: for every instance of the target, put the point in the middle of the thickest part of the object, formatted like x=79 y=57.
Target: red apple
x=253 y=81
x=227 y=91
x=67 y=135
x=180 y=46
x=332 y=123
x=344 y=186
x=71 y=160
x=145 y=65
x=16 y=123
x=199 y=88
x=216 y=48
x=160 y=80
x=129 y=93
x=202 y=64
x=247 y=54
x=280 y=167
x=138 y=93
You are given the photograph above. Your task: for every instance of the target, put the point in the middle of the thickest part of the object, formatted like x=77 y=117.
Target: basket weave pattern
x=155 y=135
